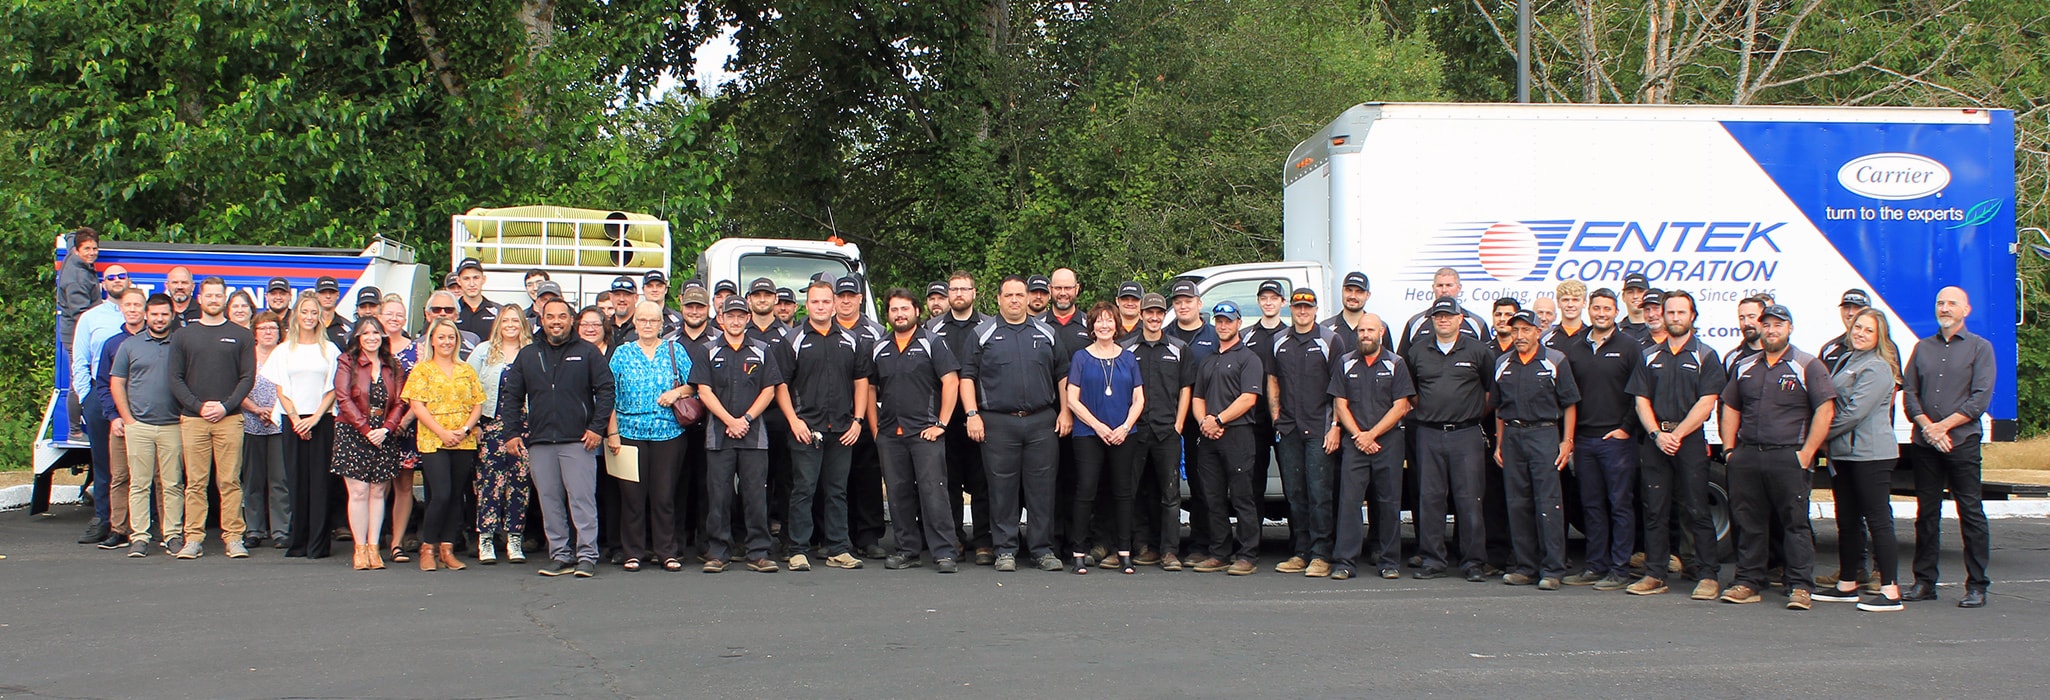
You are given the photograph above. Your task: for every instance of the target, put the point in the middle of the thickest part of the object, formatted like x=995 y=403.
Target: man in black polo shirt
x=1452 y=384
x=1634 y=322
x=865 y=522
x=620 y=322
x=1535 y=401
x=1298 y=383
x=474 y=313
x=965 y=474
x=1502 y=310
x=1053 y=302
x=766 y=327
x=1129 y=294
x=1572 y=300
x=1776 y=413
x=1037 y=294
x=1228 y=384
x=825 y=368
x=697 y=334
x=1675 y=385
x=786 y=306
x=1012 y=379
x=915 y=385
x=1167 y=373
x=935 y=299
x=737 y=381
x=1259 y=337
x=1947 y=385
x=721 y=291
x=1604 y=449
x=1371 y=391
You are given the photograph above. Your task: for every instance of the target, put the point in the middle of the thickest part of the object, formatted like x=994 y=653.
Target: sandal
x=671 y=564
x=631 y=564
x=1127 y=559
x=398 y=554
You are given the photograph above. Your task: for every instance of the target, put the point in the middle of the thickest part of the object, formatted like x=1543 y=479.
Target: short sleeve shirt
x=908 y=380
x=1538 y=390
x=1451 y=387
x=1675 y=381
x=1777 y=401
x=1106 y=386
x=1225 y=376
x=1016 y=366
x=820 y=369
x=736 y=377
x=1302 y=372
x=1370 y=385
x=449 y=396
x=1603 y=372
x=1165 y=369
x=638 y=381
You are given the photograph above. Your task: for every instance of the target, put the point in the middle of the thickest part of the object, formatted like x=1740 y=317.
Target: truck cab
x=789 y=263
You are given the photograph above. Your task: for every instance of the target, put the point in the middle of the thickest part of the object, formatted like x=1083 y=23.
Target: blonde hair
x=495 y=351
x=1882 y=341
x=1571 y=288
x=426 y=351
x=290 y=326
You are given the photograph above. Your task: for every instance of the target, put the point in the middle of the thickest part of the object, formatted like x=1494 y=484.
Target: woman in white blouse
x=303 y=368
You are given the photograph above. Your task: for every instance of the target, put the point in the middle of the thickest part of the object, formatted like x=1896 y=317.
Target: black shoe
x=94 y=532
x=946 y=566
x=558 y=568
x=1429 y=572
x=1416 y=561
x=900 y=561
x=1973 y=599
x=114 y=541
x=1921 y=592
x=874 y=551
x=1476 y=575
x=252 y=541
x=586 y=569
x=1491 y=571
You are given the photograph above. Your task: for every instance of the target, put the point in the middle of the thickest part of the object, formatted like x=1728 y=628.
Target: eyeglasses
x=115 y=276
x=441 y=309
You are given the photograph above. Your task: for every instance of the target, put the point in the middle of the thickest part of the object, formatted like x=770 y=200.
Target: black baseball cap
x=1778 y=311
x=1274 y=287
x=654 y=276
x=448 y=280
x=1635 y=280
x=761 y=284
x=936 y=289
x=1152 y=301
x=725 y=287
x=624 y=283
x=369 y=295
x=734 y=304
x=326 y=284
x=548 y=287
x=1445 y=305
x=847 y=285
x=1357 y=279
x=786 y=295
x=1301 y=296
x=278 y=283
x=469 y=263
x=1131 y=289
x=1857 y=298
x=1037 y=283
x=1653 y=297
x=1183 y=288
x=1526 y=317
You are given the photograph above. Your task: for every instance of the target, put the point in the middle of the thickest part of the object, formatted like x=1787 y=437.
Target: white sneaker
x=487 y=549
x=513 y=553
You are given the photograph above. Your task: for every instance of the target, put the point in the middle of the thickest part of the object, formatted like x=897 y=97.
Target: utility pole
x=1523 y=51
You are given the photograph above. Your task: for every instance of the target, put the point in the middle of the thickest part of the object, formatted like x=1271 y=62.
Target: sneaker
x=138 y=549
x=1479 y=575
x=513 y=552
x=799 y=562
x=1006 y=562
x=1706 y=589
x=487 y=550
x=1429 y=572
x=173 y=543
x=762 y=566
x=1611 y=582
x=237 y=550
x=1548 y=583
x=1211 y=566
x=1242 y=567
x=985 y=556
x=1294 y=565
x=1584 y=578
x=1833 y=594
x=586 y=569
x=1318 y=569
x=558 y=568
x=1880 y=603
x=1390 y=574
x=1800 y=599
x=1741 y=594
x=1518 y=579
x=713 y=566
x=94 y=532
x=1049 y=562
x=843 y=560
x=191 y=550
x=1646 y=586
x=946 y=566
x=1341 y=573
x=114 y=541
x=1168 y=562
x=900 y=561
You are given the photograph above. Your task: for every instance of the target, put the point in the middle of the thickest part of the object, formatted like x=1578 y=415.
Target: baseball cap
x=1037 y=283
x=1778 y=311
x=654 y=276
x=1302 y=295
x=326 y=284
x=732 y=305
x=278 y=283
x=1131 y=289
x=1223 y=309
x=1357 y=279
x=1273 y=287
x=1152 y=301
x=936 y=288
x=1653 y=297
x=696 y=295
x=1856 y=297
x=1526 y=317
x=368 y=295
x=624 y=283
x=469 y=263
x=1183 y=288
x=725 y=287
x=761 y=284
x=448 y=280
x=786 y=295
x=1635 y=280
x=548 y=287
x=847 y=285
x=1445 y=305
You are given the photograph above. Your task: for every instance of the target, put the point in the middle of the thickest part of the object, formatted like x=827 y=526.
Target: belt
x=1448 y=427
x=1531 y=423
x=1024 y=413
x=1769 y=448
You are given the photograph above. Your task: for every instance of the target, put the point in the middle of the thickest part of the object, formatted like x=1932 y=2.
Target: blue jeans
x=1306 y=482
x=1607 y=470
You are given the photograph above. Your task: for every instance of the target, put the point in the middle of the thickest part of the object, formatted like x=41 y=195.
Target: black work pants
x=1199 y=544
x=690 y=487
x=1958 y=472
x=747 y=472
x=448 y=474
x=1607 y=471
x=1681 y=477
x=965 y=477
x=1537 y=516
x=1019 y=453
x=1449 y=465
x=1156 y=493
x=1378 y=477
x=648 y=506
x=818 y=470
x=1224 y=466
x=1864 y=506
x=865 y=519
x=921 y=509
x=1765 y=483
x=1095 y=460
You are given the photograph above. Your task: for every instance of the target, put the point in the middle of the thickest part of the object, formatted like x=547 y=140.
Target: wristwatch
x=971 y=414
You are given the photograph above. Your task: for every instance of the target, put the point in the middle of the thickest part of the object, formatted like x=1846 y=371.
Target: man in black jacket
x=558 y=398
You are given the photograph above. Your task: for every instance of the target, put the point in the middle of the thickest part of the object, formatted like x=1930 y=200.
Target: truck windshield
x=793 y=271
x=1245 y=293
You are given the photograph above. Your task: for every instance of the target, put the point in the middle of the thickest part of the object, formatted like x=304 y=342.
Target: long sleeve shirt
x=212 y=363
x=95 y=326
x=1946 y=377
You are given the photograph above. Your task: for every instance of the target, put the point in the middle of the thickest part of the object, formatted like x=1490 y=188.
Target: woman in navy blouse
x=1105 y=393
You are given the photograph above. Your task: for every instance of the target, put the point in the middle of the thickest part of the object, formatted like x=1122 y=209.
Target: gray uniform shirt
x=146 y=363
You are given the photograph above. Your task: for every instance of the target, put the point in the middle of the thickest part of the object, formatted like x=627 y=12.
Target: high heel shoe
x=426 y=557
x=447 y=554
x=1126 y=557
x=361 y=563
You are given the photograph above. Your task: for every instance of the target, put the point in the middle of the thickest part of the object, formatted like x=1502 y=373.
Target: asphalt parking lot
x=82 y=623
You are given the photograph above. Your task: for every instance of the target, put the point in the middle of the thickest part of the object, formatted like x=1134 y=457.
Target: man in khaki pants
x=213 y=365
x=139 y=379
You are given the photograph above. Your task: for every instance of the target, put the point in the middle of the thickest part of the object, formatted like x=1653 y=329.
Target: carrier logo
x=1894 y=176
x=1506 y=251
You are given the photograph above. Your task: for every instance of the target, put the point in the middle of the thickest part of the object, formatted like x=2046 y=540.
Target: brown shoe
x=1147 y=557
x=1318 y=569
x=1741 y=594
x=1212 y=565
x=446 y=553
x=1170 y=562
x=1241 y=568
x=1110 y=561
x=1646 y=586
x=375 y=559
x=1637 y=560
x=361 y=563
x=1707 y=589
x=1673 y=565
x=426 y=557
x=1294 y=565
x=1800 y=599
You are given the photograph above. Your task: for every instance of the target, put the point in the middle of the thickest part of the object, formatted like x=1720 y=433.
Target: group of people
x=1032 y=416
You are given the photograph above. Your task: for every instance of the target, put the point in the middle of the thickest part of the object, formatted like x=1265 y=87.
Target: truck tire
x=1719 y=512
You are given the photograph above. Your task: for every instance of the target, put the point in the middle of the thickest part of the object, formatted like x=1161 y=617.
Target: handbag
x=689 y=410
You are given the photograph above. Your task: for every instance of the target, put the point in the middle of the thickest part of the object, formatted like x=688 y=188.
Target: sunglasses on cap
x=114 y=276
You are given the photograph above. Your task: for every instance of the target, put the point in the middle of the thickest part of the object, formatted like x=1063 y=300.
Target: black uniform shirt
x=1224 y=376
x=1261 y=339
x=671 y=320
x=1371 y=385
x=1950 y=376
x=1302 y=372
x=1777 y=401
x=1538 y=390
x=1419 y=330
x=476 y=320
x=1558 y=339
x=772 y=337
x=1451 y=387
x=736 y=377
x=820 y=370
x=955 y=332
x=1202 y=341
x=1737 y=354
x=1675 y=381
x=1604 y=374
x=1165 y=369
x=1017 y=367
x=908 y=381
x=1073 y=335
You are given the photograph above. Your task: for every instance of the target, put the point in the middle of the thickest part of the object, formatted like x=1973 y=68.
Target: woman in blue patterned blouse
x=648 y=377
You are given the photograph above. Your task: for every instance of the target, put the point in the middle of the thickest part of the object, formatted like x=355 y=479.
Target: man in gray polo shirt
x=1945 y=389
x=140 y=381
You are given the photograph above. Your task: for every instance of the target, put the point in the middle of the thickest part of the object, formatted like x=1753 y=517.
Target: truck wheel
x=1719 y=512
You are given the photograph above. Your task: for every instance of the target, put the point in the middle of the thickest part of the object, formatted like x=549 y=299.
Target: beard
x=1679 y=329
x=903 y=326
x=1776 y=347
x=1750 y=336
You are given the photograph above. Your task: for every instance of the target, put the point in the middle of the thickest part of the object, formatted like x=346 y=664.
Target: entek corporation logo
x=1505 y=251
